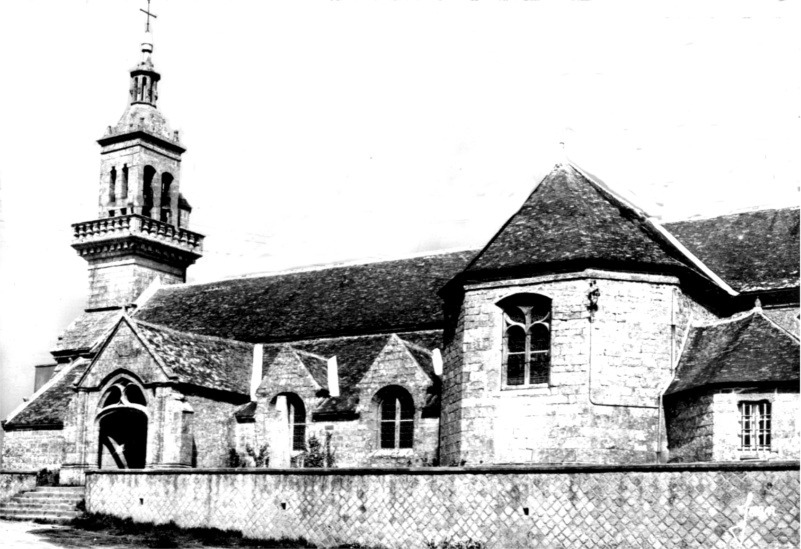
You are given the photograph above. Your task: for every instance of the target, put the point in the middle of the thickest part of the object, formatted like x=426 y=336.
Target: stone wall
x=690 y=424
x=354 y=441
x=748 y=505
x=33 y=449
x=118 y=282
x=212 y=423
x=14 y=482
x=785 y=442
x=608 y=370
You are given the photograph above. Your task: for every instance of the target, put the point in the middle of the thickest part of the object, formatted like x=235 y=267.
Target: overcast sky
x=323 y=131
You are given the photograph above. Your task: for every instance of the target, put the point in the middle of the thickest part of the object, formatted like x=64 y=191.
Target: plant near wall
x=315 y=457
x=234 y=460
x=47 y=477
x=449 y=544
x=260 y=458
x=330 y=453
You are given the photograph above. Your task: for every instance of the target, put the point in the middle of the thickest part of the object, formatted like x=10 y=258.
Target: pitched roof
x=86 y=331
x=202 y=361
x=354 y=356
x=49 y=408
x=573 y=220
x=383 y=297
x=752 y=251
x=747 y=351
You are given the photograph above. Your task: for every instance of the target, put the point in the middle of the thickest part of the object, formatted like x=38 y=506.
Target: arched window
x=124 y=186
x=166 y=212
x=147 y=191
x=395 y=418
x=112 y=184
x=296 y=415
x=122 y=426
x=527 y=339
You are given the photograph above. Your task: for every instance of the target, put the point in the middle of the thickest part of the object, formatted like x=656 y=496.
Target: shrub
x=47 y=477
x=234 y=460
x=315 y=457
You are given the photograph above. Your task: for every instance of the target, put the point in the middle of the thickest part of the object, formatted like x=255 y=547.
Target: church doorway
x=122 y=426
x=123 y=439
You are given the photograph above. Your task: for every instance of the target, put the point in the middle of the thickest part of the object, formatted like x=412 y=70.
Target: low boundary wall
x=14 y=482
x=672 y=505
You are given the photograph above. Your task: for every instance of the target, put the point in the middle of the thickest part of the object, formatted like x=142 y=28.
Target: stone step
x=26 y=505
x=26 y=512
x=39 y=517
x=35 y=496
x=61 y=489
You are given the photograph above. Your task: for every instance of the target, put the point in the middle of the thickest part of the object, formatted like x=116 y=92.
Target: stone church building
x=583 y=331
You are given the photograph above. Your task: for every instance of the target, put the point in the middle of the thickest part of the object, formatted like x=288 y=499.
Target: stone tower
x=141 y=231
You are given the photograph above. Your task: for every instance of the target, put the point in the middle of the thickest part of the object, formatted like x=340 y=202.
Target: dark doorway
x=123 y=440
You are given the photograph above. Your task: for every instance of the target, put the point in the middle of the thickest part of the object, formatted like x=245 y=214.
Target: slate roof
x=572 y=221
x=202 y=361
x=748 y=351
x=751 y=251
x=354 y=355
x=390 y=296
x=86 y=331
x=49 y=409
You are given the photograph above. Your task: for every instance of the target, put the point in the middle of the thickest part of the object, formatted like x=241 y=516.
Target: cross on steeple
x=149 y=15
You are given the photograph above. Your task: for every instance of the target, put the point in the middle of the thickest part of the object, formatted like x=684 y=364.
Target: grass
x=98 y=530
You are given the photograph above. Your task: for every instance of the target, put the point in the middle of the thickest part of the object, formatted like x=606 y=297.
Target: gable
x=752 y=251
x=571 y=222
x=286 y=373
x=124 y=350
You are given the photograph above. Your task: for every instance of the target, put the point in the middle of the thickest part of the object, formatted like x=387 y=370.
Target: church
x=582 y=332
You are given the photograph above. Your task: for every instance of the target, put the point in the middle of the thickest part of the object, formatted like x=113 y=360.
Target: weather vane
x=149 y=15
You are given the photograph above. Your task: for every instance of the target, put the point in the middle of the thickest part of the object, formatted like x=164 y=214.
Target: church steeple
x=141 y=231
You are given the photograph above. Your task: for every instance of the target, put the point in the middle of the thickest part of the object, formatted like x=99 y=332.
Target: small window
x=527 y=339
x=754 y=426
x=396 y=418
x=296 y=415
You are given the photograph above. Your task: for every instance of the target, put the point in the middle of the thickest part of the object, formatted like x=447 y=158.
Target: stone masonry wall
x=39 y=449
x=606 y=374
x=355 y=442
x=745 y=505
x=120 y=281
x=690 y=423
x=14 y=482
x=785 y=441
x=212 y=429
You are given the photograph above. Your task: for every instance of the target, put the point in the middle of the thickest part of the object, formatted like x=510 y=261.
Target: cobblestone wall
x=14 y=482
x=748 y=505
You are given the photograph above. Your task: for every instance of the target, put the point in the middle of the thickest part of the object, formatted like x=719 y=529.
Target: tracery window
x=754 y=425
x=396 y=418
x=527 y=339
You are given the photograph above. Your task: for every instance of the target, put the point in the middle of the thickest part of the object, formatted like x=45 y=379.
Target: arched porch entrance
x=122 y=427
x=123 y=439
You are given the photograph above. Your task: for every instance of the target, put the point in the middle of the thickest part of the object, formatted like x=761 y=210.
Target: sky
x=331 y=131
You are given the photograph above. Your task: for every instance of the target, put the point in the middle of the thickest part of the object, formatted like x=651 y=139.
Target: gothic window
x=147 y=191
x=123 y=392
x=396 y=418
x=754 y=425
x=166 y=181
x=112 y=184
x=527 y=339
x=124 y=186
x=296 y=415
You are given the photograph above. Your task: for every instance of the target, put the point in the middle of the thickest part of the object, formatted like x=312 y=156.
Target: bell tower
x=140 y=233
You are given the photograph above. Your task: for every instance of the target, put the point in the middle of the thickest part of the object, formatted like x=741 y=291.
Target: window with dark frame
x=396 y=418
x=296 y=415
x=527 y=339
x=755 y=425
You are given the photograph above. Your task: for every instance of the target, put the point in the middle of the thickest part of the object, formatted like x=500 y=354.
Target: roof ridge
x=321 y=267
x=414 y=346
x=737 y=317
x=781 y=328
x=194 y=335
x=308 y=353
x=664 y=233
x=746 y=211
